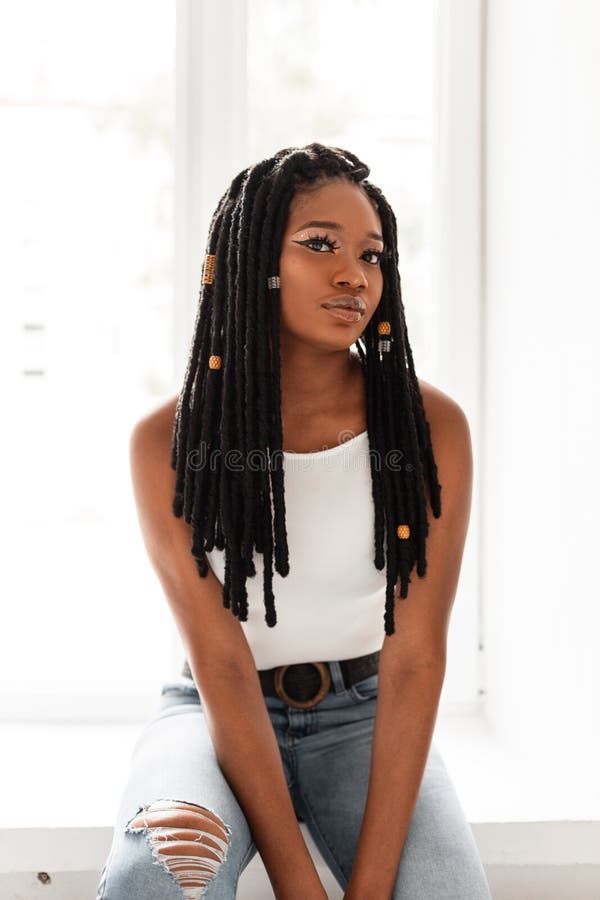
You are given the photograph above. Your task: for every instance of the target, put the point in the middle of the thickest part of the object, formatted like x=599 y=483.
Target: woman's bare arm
x=223 y=668
x=412 y=665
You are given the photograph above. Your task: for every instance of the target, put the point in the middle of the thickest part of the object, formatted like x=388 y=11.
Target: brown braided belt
x=303 y=685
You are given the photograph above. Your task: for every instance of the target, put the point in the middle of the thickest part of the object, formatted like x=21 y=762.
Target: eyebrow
x=321 y=223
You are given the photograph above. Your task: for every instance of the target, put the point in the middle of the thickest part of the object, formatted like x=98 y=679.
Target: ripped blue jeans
x=325 y=753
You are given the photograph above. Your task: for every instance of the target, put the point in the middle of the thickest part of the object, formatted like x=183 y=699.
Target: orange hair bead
x=384 y=328
x=209 y=269
x=214 y=362
x=403 y=532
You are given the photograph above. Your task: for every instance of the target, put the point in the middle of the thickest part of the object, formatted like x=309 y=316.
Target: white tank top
x=331 y=604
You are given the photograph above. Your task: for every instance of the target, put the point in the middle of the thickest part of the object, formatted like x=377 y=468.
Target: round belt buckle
x=312 y=701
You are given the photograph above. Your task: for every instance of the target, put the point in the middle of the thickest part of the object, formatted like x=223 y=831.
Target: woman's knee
x=173 y=848
x=440 y=858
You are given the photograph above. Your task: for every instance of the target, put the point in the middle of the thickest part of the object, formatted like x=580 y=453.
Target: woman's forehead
x=334 y=205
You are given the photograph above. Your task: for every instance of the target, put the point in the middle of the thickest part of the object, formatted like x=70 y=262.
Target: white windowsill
x=61 y=785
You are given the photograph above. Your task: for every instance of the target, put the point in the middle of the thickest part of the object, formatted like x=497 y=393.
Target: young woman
x=284 y=498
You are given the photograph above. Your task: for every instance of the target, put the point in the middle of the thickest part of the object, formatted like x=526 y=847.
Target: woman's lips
x=340 y=312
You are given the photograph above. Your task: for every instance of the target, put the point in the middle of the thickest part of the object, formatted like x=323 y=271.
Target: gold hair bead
x=403 y=532
x=209 y=269
x=214 y=362
x=384 y=328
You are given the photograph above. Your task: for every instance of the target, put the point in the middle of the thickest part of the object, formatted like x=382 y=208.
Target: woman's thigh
x=440 y=859
x=180 y=832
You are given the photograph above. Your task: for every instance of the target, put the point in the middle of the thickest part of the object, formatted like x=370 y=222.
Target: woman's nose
x=349 y=273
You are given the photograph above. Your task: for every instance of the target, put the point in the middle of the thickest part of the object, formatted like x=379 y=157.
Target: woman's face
x=330 y=249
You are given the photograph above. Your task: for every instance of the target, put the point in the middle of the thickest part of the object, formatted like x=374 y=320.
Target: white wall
x=542 y=376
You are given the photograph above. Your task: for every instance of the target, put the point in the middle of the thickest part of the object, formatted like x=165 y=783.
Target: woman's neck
x=319 y=385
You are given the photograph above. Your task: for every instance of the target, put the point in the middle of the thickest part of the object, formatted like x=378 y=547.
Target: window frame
x=458 y=253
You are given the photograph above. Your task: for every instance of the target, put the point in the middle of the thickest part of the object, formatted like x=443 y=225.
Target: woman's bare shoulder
x=450 y=432
x=450 y=439
x=438 y=405
x=160 y=419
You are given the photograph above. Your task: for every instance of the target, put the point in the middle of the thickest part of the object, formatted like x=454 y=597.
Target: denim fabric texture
x=326 y=754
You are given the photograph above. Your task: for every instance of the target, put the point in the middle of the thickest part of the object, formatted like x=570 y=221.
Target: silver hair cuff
x=273 y=281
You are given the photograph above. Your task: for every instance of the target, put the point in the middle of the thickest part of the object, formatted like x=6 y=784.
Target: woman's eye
x=376 y=253
x=325 y=241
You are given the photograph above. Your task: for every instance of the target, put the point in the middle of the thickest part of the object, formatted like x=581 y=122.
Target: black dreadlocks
x=231 y=396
